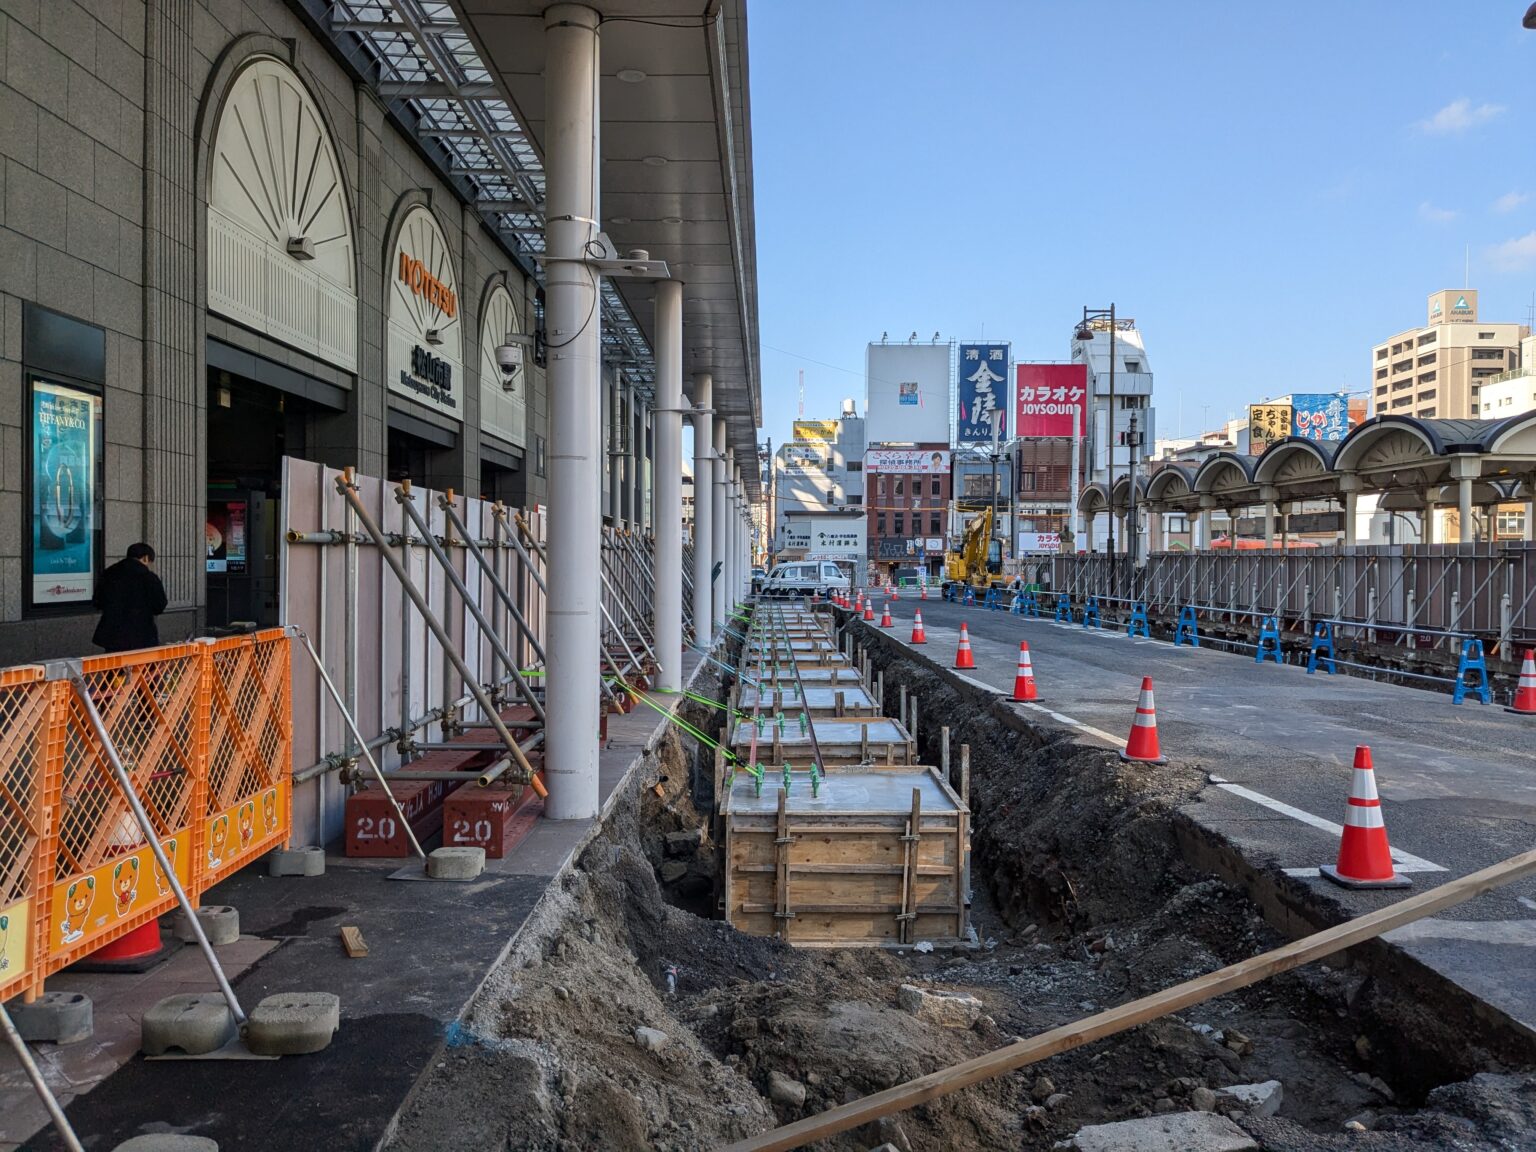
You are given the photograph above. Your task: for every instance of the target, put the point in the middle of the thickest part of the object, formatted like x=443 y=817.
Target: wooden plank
x=1115 y=1020
x=352 y=940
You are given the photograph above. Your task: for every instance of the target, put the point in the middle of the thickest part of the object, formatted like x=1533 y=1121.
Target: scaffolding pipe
x=125 y=786
x=451 y=512
x=408 y=502
x=39 y=1085
x=348 y=490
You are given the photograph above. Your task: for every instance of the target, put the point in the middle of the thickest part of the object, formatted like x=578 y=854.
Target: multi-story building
x=1108 y=454
x=1440 y=369
x=907 y=506
x=1515 y=390
x=820 y=469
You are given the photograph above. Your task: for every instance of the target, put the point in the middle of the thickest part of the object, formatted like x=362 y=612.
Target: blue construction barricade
x=1269 y=641
x=1091 y=612
x=1322 y=648
x=993 y=599
x=1188 y=629
x=1472 y=663
x=1063 y=609
x=1137 y=626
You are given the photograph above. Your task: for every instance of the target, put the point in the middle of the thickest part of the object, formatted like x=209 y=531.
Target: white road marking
x=1405 y=861
x=1117 y=741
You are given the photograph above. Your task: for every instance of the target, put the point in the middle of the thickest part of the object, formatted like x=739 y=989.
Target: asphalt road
x=1458 y=782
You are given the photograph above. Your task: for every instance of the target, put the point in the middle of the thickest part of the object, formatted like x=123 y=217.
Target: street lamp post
x=1093 y=317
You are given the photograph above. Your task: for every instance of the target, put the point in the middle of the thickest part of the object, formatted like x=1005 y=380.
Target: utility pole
x=1132 y=528
x=996 y=423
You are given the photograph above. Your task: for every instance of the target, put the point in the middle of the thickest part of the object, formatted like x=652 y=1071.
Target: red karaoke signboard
x=1047 y=396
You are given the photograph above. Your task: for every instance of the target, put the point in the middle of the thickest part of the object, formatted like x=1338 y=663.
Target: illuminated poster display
x=66 y=427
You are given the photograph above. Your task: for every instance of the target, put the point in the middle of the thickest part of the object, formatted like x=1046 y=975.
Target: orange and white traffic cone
x=869 y=609
x=1525 y=691
x=1365 y=857
x=885 y=617
x=923 y=595
x=1141 y=747
x=1024 y=679
x=895 y=591
x=963 y=657
x=918 y=635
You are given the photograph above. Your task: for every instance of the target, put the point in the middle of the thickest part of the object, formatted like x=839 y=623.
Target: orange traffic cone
x=1142 y=747
x=1525 y=692
x=963 y=657
x=1365 y=858
x=885 y=617
x=924 y=594
x=869 y=609
x=918 y=635
x=1024 y=679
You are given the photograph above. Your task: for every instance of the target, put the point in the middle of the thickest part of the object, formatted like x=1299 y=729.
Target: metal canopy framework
x=466 y=78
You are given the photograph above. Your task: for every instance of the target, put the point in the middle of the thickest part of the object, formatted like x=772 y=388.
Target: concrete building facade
x=1106 y=451
x=1439 y=369
x=180 y=310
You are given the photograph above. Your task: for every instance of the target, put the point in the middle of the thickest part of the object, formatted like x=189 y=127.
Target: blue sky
x=1268 y=189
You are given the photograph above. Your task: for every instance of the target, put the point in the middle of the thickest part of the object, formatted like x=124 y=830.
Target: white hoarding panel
x=1034 y=543
x=908 y=393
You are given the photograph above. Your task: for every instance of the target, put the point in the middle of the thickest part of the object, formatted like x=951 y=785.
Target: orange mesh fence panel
x=25 y=700
x=105 y=878
x=250 y=746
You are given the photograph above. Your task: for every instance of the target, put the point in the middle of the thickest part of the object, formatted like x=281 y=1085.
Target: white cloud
x=1458 y=116
x=1428 y=212
x=1510 y=201
x=1514 y=255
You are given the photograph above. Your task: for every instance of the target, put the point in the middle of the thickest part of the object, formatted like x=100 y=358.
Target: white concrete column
x=1350 y=485
x=739 y=567
x=1427 y=524
x=728 y=545
x=669 y=484
x=704 y=619
x=1207 y=504
x=717 y=533
x=575 y=394
x=1269 y=495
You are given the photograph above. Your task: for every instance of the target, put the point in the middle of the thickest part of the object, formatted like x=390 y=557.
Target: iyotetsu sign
x=1047 y=396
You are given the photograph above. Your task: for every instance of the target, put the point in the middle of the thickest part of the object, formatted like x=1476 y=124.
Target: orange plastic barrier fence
x=204 y=731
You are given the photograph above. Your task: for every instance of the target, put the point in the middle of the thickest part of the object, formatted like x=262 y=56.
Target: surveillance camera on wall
x=509 y=358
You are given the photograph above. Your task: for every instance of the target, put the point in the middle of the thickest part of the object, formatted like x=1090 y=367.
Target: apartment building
x=1440 y=368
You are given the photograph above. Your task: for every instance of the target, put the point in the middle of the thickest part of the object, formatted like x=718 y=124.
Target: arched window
x=281 y=258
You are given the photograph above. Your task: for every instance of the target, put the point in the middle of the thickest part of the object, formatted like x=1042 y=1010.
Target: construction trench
x=628 y=1014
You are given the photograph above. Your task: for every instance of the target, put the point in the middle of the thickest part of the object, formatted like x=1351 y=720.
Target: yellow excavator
x=978 y=562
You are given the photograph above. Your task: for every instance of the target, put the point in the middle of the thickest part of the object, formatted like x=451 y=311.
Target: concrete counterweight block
x=221 y=924
x=293 y=1023
x=296 y=862
x=456 y=863
x=168 y=1142
x=195 y=1022
x=54 y=1017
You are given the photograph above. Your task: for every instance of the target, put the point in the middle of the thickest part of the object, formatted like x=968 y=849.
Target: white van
x=805 y=577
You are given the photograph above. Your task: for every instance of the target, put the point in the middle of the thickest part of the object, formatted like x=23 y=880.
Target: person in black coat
x=130 y=596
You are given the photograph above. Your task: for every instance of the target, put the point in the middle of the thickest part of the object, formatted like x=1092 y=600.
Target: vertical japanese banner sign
x=64 y=431
x=1320 y=415
x=1267 y=425
x=982 y=393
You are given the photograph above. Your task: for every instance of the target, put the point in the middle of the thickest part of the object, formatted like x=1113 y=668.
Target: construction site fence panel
x=1431 y=594
x=392 y=673
x=204 y=731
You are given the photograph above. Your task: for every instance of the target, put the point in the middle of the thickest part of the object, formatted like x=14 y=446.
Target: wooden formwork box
x=847 y=742
x=821 y=700
x=846 y=877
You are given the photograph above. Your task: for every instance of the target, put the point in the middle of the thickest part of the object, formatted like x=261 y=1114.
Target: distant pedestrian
x=130 y=596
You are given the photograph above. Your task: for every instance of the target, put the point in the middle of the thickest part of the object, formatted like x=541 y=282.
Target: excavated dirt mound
x=1082 y=902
